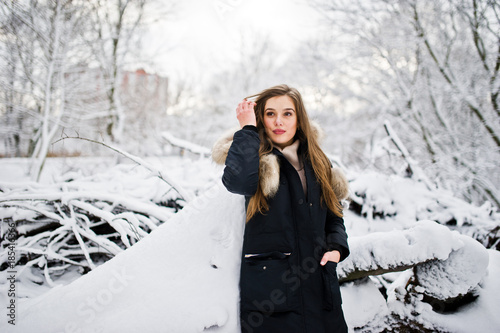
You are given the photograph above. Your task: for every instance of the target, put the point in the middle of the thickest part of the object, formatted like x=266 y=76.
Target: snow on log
x=438 y=254
x=398 y=250
x=456 y=276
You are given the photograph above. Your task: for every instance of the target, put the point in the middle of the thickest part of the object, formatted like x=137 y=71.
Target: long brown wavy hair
x=305 y=133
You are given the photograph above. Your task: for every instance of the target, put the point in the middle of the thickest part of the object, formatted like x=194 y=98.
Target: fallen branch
x=64 y=225
x=431 y=249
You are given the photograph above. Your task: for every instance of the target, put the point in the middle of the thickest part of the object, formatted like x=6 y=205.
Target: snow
x=394 y=202
x=482 y=315
x=370 y=311
x=479 y=316
x=183 y=277
x=455 y=276
x=427 y=240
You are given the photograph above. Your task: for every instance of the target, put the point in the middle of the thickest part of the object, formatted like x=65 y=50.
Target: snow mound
x=183 y=277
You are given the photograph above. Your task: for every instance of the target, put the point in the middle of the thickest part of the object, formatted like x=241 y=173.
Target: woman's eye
x=288 y=114
x=270 y=114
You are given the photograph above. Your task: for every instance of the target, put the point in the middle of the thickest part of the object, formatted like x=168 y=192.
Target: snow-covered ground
x=183 y=277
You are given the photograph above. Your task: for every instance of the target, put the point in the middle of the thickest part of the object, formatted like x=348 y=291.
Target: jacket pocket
x=263 y=286
x=331 y=285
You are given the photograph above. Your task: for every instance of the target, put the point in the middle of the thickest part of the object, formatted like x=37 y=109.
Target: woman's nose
x=278 y=121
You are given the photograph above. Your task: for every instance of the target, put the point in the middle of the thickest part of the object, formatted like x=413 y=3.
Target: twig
x=183 y=193
x=413 y=169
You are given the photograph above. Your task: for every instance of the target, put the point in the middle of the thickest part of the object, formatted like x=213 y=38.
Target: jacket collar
x=269 y=166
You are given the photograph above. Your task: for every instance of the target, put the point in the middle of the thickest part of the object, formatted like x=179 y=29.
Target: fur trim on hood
x=269 y=168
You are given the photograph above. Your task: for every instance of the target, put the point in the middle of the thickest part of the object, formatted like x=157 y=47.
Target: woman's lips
x=279 y=131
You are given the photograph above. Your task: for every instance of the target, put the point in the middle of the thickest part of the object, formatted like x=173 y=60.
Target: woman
x=295 y=235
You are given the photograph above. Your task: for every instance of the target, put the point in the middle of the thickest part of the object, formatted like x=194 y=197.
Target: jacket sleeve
x=241 y=174
x=336 y=236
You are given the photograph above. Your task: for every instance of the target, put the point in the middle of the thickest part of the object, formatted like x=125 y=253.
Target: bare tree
x=113 y=24
x=39 y=37
x=431 y=68
x=62 y=63
x=9 y=81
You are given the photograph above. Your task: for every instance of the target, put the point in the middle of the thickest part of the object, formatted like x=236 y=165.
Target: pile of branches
x=67 y=227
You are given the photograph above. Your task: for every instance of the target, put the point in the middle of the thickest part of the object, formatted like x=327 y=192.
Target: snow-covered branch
x=75 y=224
x=447 y=266
x=154 y=171
x=186 y=145
x=413 y=168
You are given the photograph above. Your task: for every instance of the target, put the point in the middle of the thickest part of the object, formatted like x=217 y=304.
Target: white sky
x=204 y=36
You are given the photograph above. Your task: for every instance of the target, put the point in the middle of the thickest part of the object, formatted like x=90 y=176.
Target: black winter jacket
x=283 y=287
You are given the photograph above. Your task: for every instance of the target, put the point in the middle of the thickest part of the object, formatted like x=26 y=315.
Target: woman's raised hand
x=245 y=113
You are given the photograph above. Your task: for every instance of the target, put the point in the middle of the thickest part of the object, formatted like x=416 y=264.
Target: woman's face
x=280 y=120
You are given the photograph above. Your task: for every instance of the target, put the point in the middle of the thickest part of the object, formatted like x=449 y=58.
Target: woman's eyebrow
x=285 y=109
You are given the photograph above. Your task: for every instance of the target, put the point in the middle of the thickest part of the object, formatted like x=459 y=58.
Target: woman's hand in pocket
x=330 y=256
